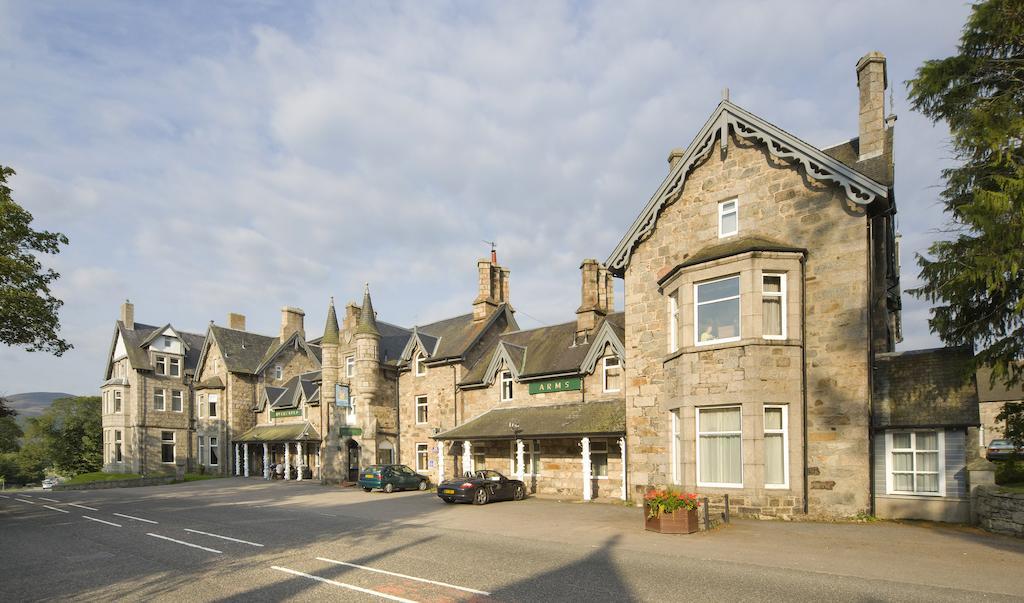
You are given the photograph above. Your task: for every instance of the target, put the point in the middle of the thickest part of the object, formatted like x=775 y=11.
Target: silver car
x=1000 y=450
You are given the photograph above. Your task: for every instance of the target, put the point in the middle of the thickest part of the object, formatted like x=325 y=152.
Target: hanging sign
x=291 y=412
x=555 y=385
x=341 y=396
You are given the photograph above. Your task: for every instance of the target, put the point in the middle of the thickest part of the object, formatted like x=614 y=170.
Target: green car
x=390 y=478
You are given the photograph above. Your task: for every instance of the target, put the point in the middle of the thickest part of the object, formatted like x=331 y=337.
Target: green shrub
x=1010 y=472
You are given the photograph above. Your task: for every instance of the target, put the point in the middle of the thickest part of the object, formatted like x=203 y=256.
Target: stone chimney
x=872 y=82
x=493 y=287
x=236 y=321
x=597 y=295
x=291 y=321
x=674 y=156
x=128 y=315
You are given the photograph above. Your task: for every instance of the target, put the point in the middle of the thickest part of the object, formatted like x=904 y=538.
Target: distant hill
x=32 y=404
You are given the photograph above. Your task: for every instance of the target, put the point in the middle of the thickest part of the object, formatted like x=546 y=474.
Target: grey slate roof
x=600 y=417
x=142 y=333
x=925 y=388
x=289 y=432
x=729 y=248
x=392 y=341
x=879 y=169
x=287 y=396
x=242 y=351
x=214 y=382
x=998 y=392
x=455 y=336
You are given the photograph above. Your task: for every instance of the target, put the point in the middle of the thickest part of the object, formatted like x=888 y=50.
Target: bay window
x=773 y=306
x=117 y=446
x=719 y=447
x=776 y=447
x=717 y=311
x=214 y=452
x=673 y=321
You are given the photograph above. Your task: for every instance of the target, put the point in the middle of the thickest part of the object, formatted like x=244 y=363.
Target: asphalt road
x=239 y=539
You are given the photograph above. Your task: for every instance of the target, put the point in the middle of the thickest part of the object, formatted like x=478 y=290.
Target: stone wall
x=439 y=386
x=117 y=483
x=999 y=510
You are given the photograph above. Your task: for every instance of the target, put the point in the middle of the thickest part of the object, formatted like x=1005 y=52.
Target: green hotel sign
x=291 y=412
x=350 y=431
x=555 y=385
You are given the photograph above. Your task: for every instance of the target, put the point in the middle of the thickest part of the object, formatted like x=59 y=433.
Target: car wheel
x=448 y=500
x=367 y=489
x=480 y=498
x=422 y=485
x=389 y=488
x=519 y=494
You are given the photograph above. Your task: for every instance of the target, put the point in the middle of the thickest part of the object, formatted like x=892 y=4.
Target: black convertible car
x=481 y=487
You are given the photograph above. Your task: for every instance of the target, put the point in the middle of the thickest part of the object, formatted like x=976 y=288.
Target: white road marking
x=56 y=509
x=83 y=507
x=109 y=523
x=27 y=502
x=2 y=496
x=342 y=584
x=25 y=495
x=48 y=499
x=223 y=537
x=195 y=546
x=133 y=517
x=380 y=571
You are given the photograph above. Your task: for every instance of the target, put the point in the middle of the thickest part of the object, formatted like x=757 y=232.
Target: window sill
x=719 y=345
x=776 y=486
x=729 y=486
x=916 y=494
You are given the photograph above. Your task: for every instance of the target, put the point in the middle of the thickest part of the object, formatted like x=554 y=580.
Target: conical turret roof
x=331 y=328
x=367 y=321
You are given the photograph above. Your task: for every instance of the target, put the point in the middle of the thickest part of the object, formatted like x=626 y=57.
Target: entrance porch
x=290 y=451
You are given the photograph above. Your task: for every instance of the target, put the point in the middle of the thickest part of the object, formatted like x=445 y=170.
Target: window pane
x=729 y=222
x=719 y=320
x=720 y=459
x=719 y=419
x=600 y=464
x=774 y=459
x=771 y=313
x=927 y=461
x=928 y=483
x=901 y=440
x=718 y=289
x=772 y=284
x=904 y=482
x=773 y=418
x=927 y=440
x=902 y=461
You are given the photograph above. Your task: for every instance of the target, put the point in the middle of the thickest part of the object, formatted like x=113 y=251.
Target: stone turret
x=367 y=338
x=331 y=373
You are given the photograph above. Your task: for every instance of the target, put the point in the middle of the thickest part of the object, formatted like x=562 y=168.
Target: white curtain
x=720 y=457
x=774 y=459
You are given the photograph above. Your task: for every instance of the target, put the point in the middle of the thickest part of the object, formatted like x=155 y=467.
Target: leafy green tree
x=5 y=408
x=976 y=275
x=10 y=434
x=68 y=436
x=28 y=311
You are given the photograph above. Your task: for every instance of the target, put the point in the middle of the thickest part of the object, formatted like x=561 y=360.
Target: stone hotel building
x=754 y=357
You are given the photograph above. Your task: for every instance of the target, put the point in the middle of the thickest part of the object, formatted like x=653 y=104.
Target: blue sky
x=207 y=158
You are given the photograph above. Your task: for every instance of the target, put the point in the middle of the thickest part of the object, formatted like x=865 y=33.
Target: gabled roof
x=728 y=118
x=136 y=339
x=291 y=393
x=289 y=432
x=452 y=338
x=998 y=391
x=598 y=417
x=295 y=341
x=925 y=388
x=242 y=351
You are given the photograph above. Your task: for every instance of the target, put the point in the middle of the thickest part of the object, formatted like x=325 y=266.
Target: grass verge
x=99 y=476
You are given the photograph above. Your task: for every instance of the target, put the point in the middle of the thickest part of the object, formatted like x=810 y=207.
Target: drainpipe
x=142 y=442
x=870 y=365
x=803 y=371
x=398 y=415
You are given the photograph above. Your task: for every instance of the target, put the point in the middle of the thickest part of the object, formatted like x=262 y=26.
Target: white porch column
x=520 y=460
x=467 y=456
x=287 y=461
x=245 y=458
x=238 y=459
x=440 y=461
x=625 y=473
x=300 y=461
x=319 y=469
x=266 y=460
x=587 y=483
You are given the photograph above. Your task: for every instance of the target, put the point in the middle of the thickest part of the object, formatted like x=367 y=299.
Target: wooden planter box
x=679 y=522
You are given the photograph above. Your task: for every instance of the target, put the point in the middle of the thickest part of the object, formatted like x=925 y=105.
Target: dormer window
x=421 y=365
x=506 y=386
x=278 y=372
x=612 y=374
x=728 y=217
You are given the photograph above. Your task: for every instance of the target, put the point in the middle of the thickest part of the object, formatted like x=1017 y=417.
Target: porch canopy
x=290 y=432
x=597 y=418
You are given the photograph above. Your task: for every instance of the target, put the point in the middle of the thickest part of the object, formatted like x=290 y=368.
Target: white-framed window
x=167 y=447
x=506 y=386
x=212 y=400
x=177 y=399
x=117 y=446
x=776 y=446
x=174 y=367
x=719 y=447
x=202 y=448
x=728 y=217
x=350 y=366
x=612 y=369
x=676 y=446
x=421 y=364
x=160 y=365
x=673 y=321
x=599 y=458
x=351 y=416
x=278 y=372
x=422 y=457
x=531 y=457
x=716 y=315
x=773 y=306
x=158 y=399
x=421 y=409
x=915 y=463
x=214 y=452
x=117 y=401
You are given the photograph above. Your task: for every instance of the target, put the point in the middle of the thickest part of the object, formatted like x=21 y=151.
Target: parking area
x=239 y=538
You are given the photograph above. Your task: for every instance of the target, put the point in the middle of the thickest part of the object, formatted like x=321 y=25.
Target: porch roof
x=600 y=417
x=289 y=432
